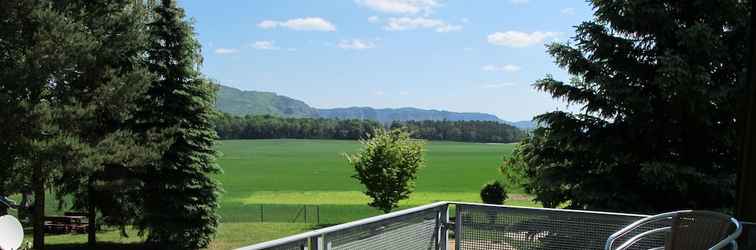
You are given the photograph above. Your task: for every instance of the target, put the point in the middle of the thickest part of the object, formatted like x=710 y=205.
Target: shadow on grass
x=100 y=246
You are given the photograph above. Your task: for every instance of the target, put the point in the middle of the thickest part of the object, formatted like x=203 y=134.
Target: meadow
x=283 y=175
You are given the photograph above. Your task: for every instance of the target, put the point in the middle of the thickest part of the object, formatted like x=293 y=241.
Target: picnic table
x=68 y=223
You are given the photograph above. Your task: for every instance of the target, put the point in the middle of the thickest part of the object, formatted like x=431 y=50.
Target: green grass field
x=293 y=172
x=283 y=175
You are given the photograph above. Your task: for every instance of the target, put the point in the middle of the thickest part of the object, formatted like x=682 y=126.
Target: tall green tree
x=181 y=196
x=657 y=82
x=101 y=103
x=14 y=18
x=71 y=73
x=41 y=47
x=387 y=165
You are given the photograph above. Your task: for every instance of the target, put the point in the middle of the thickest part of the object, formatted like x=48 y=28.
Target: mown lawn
x=284 y=174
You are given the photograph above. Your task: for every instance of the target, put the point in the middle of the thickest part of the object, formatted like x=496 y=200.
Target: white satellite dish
x=11 y=233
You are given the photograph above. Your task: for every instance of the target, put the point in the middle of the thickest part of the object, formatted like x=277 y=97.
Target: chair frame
x=729 y=240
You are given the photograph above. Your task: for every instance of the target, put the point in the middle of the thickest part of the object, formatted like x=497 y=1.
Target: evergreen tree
x=657 y=82
x=181 y=197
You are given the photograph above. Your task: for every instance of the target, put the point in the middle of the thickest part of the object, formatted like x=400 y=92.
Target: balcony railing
x=477 y=227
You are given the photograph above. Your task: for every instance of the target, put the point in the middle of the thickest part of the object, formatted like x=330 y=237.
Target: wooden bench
x=66 y=224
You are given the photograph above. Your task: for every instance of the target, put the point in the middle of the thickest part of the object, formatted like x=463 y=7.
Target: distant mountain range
x=402 y=114
x=239 y=102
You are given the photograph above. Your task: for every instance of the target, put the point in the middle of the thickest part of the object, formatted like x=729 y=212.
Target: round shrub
x=493 y=193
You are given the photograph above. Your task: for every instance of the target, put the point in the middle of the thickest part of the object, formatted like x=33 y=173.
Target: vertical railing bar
x=444 y=220
x=458 y=227
x=320 y=242
x=313 y=242
x=435 y=242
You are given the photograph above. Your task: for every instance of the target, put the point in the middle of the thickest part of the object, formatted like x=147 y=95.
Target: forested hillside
x=243 y=102
x=402 y=114
x=239 y=102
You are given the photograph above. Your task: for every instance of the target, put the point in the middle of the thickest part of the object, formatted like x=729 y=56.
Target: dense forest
x=272 y=127
x=467 y=131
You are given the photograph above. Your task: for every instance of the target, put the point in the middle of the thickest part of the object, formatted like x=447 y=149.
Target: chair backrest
x=691 y=230
x=684 y=230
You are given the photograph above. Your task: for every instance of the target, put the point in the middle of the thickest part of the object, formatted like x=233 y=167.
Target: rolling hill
x=238 y=102
x=241 y=102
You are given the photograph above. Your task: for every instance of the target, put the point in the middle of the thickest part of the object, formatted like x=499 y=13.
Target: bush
x=387 y=165
x=493 y=193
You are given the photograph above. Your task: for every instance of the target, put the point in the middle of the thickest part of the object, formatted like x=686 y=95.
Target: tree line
x=272 y=127
x=466 y=131
x=103 y=101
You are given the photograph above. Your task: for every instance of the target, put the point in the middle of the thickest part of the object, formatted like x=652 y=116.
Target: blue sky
x=465 y=56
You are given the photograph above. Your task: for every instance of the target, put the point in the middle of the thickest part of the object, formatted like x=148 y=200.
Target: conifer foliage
x=181 y=197
x=658 y=83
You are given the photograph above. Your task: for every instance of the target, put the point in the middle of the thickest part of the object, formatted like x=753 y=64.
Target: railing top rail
x=339 y=227
x=550 y=209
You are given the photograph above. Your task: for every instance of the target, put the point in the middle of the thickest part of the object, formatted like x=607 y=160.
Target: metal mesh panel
x=415 y=231
x=294 y=245
x=490 y=227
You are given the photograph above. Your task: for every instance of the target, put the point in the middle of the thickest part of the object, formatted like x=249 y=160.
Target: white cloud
x=307 y=23
x=519 y=2
x=267 y=24
x=404 y=92
x=410 y=23
x=505 y=68
x=467 y=49
x=464 y=20
x=519 y=39
x=498 y=85
x=374 y=19
x=356 y=44
x=225 y=51
x=400 y=6
x=568 y=11
x=265 y=45
x=379 y=92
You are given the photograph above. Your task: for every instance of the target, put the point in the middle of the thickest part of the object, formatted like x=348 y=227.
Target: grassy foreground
x=230 y=236
x=283 y=175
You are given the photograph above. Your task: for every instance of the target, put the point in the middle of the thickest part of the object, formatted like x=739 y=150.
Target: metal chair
x=684 y=230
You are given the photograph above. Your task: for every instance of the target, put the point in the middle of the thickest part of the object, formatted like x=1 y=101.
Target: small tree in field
x=387 y=165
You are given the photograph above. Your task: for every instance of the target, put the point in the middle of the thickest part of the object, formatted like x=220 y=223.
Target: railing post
x=314 y=243
x=444 y=230
x=458 y=227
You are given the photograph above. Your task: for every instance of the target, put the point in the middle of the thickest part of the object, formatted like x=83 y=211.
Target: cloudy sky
x=457 y=55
